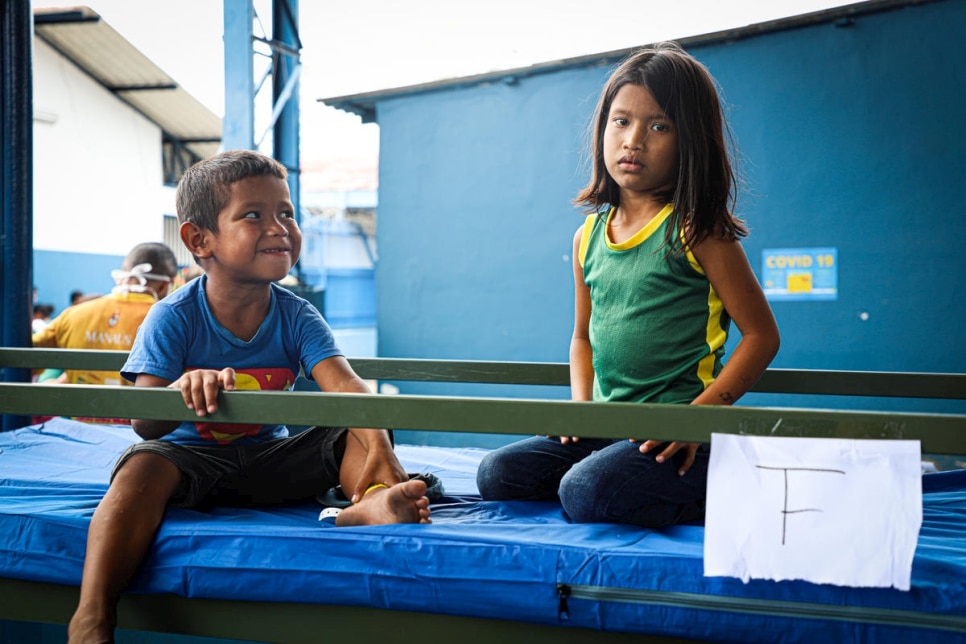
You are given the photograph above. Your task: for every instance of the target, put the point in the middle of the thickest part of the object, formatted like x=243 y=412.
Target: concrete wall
x=851 y=138
x=98 y=179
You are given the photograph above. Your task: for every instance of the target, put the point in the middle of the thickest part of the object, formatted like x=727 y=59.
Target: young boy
x=233 y=328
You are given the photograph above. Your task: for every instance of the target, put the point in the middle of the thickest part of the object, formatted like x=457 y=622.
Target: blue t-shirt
x=180 y=334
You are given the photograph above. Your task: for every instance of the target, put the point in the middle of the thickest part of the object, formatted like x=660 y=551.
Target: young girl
x=659 y=275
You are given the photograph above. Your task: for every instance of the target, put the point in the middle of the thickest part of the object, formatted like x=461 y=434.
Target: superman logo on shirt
x=270 y=379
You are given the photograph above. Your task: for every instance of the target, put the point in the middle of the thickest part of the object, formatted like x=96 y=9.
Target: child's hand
x=200 y=387
x=669 y=451
x=375 y=473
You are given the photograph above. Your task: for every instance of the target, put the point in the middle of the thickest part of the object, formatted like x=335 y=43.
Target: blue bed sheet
x=520 y=561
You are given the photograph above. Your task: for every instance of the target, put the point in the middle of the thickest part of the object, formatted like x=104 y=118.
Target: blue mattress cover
x=520 y=561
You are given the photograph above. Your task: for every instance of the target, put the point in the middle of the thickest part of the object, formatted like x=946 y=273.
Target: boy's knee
x=147 y=470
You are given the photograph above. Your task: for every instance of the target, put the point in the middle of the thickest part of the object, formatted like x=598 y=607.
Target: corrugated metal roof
x=81 y=35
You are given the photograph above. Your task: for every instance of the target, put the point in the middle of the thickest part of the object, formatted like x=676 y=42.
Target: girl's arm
x=581 y=355
x=729 y=272
x=727 y=268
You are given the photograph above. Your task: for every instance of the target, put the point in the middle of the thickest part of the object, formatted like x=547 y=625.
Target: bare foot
x=88 y=629
x=404 y=502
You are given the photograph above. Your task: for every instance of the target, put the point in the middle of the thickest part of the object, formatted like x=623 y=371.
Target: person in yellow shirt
x=110 y=322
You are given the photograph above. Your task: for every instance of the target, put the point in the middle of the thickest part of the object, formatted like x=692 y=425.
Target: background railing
x=795 y=381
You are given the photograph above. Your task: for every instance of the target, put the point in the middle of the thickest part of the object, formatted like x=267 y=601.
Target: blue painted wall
x=475 y=219
x=57 y=273
x=851 y=137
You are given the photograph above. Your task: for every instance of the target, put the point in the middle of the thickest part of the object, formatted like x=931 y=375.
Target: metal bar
x=16 y=183
x=278 y=46
x=517 y=373
x=287 y=69
x=38 y=358
x=238 y=125
x=864 y=383
x=950 y=386
x=281 y=104
x=939 y=433
x=138 y=88
x=290 y=623
x=854 y=615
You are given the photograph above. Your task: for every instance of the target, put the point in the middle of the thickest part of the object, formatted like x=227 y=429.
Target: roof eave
x=364 y=104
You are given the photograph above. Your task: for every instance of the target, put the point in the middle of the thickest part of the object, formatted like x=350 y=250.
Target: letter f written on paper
x=824 y=510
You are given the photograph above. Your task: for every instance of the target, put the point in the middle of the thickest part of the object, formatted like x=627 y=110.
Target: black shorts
x=277 y=471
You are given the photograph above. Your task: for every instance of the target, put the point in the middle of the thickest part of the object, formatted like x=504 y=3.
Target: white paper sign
x=825 y=510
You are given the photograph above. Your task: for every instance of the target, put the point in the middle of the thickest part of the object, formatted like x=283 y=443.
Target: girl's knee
x=580 y=495
x=507 y=475
x=489 y=477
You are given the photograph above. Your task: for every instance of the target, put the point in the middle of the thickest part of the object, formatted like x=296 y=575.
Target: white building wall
x=98 y=179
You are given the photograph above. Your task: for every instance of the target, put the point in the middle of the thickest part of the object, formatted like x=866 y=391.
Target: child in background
x=659 y=275
x=233 y=328
x=41 y=319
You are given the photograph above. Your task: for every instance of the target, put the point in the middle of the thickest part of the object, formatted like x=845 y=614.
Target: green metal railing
x=938 y=433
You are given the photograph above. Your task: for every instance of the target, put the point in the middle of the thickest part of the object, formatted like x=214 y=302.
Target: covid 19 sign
x=800 y=273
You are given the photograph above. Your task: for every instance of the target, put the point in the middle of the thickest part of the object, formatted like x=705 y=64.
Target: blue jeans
x=598 y=481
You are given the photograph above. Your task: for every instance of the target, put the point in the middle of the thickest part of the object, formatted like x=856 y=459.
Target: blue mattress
x=519 y=561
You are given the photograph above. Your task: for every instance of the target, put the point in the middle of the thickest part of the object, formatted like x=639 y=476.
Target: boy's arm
x=199 y=389
x=148 y=429
x=336 y=375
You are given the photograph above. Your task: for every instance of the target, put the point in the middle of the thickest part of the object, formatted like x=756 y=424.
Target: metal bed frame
x=291 y=622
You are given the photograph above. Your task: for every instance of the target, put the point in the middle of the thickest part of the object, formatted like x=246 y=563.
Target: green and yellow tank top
x=657 y=326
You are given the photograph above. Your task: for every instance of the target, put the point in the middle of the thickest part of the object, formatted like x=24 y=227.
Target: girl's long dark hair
x=706 y=189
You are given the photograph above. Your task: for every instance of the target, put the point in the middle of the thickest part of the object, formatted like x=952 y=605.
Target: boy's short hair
x=205 y=187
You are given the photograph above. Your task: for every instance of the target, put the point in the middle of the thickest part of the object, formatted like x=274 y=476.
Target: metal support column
x=285 y=91
x=16 y=186
x=238 y=124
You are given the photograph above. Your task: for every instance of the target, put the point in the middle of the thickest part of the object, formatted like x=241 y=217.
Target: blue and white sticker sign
x=796 y=274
